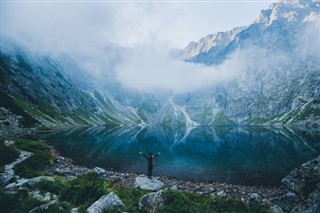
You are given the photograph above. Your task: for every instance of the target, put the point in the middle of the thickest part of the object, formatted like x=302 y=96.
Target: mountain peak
x=288 y=10
x=301 y=3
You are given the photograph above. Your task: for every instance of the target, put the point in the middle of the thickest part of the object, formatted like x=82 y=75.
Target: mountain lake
x=239 y=155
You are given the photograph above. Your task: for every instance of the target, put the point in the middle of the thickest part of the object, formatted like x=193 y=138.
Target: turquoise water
x=239 y=155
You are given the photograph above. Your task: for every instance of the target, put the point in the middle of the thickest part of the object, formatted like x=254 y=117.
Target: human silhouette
x=150 y=158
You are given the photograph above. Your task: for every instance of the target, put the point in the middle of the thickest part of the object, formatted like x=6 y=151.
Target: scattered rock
x=255 y=198
x=65 y=167
x=110 y=201
x=42 y=197
x=10 y=124
x=146 y=183
x=151 y=202
x=28 y=182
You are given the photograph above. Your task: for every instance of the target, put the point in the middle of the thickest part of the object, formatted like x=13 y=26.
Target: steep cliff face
x=280 y=83
x=208 y=47
x=37 y=89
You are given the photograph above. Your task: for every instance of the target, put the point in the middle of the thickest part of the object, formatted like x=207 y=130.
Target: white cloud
x=70 y=25
x=151 y=70
x=85 y=31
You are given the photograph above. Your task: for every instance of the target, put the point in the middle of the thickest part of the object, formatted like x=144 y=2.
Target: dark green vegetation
x=13 y=106
x=130 y=197
x=8 y=154
x=21 y=202
x=31 y=167
x=34 y=165
x=81 y=192
x=194 y=203
x=85 y=190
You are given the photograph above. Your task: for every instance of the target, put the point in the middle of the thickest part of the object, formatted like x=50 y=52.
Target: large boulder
x=304 y=181
x=106 y=202
x=151 y=202
x=151 y=184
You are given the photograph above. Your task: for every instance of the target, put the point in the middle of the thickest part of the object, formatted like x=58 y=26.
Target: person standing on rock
x=150 y=158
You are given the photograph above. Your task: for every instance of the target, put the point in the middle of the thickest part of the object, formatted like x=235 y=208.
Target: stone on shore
x=151 y=202
x=106 y=202
x=304 y=181
x=146 y=183
x=101 y=172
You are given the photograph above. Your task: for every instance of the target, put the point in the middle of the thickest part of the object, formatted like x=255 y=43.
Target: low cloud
x=309 y=38
x=152 y=69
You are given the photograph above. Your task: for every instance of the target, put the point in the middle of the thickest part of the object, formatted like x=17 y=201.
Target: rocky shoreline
x=280 y=199
x=65 y=167
x=300 y=190
x=262 y=194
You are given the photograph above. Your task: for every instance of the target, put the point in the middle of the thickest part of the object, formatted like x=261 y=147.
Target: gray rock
x=174 y=187
x=101 y=172
x=303 y=180
x=275 y=209
x=255 y=198
x=3 y=113
x=144 y=182
x=221 y=193
x=8 y=142
x=151 y=202
x=286 y=202
x=109 y=201
x=28 y=182
x=42 y=197
x=74 y=210
x=304 y=208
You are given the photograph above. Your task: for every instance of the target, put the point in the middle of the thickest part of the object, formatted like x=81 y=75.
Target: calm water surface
x=240 y=155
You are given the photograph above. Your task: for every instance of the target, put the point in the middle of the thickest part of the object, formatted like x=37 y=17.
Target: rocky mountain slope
x=36 y=91
x=280 y=82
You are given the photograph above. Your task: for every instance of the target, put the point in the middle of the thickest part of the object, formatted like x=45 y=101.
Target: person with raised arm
x=150 y=158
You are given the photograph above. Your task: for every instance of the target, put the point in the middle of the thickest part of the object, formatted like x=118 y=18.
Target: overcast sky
x=85 y=29
x=124 y=23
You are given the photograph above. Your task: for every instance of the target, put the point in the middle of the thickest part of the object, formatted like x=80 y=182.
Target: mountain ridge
x=280 y=85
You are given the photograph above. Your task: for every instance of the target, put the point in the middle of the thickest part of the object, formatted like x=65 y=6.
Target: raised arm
x=156 y=155
x=140 y=153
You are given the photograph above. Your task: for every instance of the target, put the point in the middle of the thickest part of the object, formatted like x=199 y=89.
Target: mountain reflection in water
x=239 y=155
